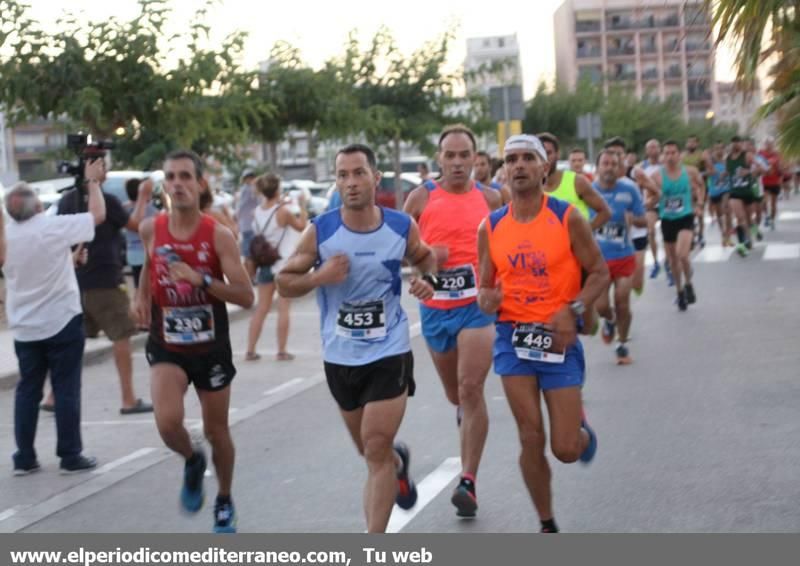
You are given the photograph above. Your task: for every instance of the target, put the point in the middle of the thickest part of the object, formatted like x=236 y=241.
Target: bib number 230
x=362 y=320
x=188 y=325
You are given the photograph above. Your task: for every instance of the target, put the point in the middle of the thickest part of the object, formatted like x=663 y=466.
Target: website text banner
x=396 y=550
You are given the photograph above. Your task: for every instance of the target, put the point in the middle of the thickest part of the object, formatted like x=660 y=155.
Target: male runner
x=577 y=162
x=182 y=295
x=531 y=255
x=458 y=334
x=719 y=188
x=651 y=165
x=648 y=193
x=772 y=179
x=756 y=211
x=739 y=166
x=614 y=239
x=682 y=191
x=695 y=157
x=482 y=173
x=358 y=250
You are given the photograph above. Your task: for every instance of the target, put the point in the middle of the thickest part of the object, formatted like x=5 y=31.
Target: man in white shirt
x=44 y=313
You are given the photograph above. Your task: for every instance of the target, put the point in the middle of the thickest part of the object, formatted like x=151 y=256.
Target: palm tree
x=764 y=29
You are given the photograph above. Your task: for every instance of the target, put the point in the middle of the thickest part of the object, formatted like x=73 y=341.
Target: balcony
x=671 y=21
x=617 y=23
x=650 y=74
x=587 y=52
x=623 y=76
x=673 y=72
x=696 y=72
x=698 y=46
x=646 y=22
x=696 y=18
x=620 y=51
x=699 y=97
x=649 y=49
x=587 y=26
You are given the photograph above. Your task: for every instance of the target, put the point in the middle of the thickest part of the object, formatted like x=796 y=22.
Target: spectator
x=281 y=228
x=220 y=212
x=134 y=251
x=246 y=203
x=106 y=305
x=44 y=314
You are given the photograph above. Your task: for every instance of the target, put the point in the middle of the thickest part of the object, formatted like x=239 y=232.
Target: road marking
x=427 y=490
x=714 y=254
x=282 y=386
x=124 y=460
x=788 y=215
x=10 y=512
x=782 y=251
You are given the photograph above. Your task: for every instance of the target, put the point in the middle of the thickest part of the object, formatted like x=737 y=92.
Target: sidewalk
x=96 y=349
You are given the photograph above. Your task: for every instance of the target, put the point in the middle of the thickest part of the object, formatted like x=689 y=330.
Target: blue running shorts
x=440 y=327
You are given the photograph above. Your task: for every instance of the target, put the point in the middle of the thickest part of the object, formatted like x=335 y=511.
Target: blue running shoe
x=609 y=329
x=192 y=495
x=670 y=279
x=406 y=490
x=591 y=449
x=464 y=497
x=655 y=271
x=224 y=517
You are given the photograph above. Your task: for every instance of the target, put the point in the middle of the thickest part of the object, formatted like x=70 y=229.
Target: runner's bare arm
x=494 y=198
x=588 y=254
x=593 y=200
x=418 y=253
x=141 y=303
x=416 y=201
x=698 y=185
x=296 y=278
x=238 y=289
x=490 y=292
x=648 y=186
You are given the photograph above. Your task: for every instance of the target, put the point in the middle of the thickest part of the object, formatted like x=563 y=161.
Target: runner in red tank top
x=182 y=298
x=531 y=254
x=458 y=334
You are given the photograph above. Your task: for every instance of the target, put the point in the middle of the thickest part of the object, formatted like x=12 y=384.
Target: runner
x=651 y=165
x=614 y=239
x=756 y=210
x=695 y=157
x=458 y=334
x=772 y=179
x=531 y=255
x=182 y=296
x=681 y=189
x=576 y=190
x=719 y=188
x=482 y=173
x=739 y=165
x=365 y=335
x=648 y=193
x=577 y=162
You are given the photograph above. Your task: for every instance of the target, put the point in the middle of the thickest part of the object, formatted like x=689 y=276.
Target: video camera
x=86 y=149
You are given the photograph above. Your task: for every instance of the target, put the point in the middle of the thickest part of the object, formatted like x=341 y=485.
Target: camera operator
x=44 y=314
x=104 y=296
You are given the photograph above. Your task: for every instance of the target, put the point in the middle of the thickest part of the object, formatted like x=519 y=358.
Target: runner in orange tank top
x=183 y=291
x=458 y=334
x=531 y=254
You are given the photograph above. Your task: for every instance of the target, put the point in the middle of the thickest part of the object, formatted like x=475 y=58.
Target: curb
x=99 y=349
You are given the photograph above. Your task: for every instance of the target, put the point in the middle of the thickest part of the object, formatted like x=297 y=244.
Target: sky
x=320 y=28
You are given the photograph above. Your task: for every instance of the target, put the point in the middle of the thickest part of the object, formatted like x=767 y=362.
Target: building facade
x=485 y=53
x=656 y=49
x=737 y=107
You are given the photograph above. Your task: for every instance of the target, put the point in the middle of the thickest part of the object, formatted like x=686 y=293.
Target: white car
x=315 y=204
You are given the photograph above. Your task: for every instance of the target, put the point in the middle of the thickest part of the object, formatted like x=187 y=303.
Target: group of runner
x=507 y=277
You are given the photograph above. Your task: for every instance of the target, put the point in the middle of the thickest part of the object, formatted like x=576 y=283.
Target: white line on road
x=427 y=490
x=124 y=460
x=10 y=512
x=782 y=251
x=282 y=386
x=714 y=254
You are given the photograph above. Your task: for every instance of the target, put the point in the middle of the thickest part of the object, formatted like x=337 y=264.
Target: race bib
x=455 y=283
x=362 y=320
x=613 y=232
x=673 y=204
x=188 y=325
x=741 y=182
x=536 y=342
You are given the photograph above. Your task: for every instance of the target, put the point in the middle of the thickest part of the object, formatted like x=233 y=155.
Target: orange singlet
x=534 y=262
x=452 y=220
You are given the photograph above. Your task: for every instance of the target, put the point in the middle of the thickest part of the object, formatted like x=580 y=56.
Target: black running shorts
x=212 y=371
x=640 y=243
x=670 y=228
x=354 y=386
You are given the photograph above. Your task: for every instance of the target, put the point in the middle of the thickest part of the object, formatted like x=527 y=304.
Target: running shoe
x=691 y=298
x=670 y=279
x=464 y=498
x=623 y=355
x=609 y=329
x=591 y=449
x=406 y=490
x=741 y=249
x=224 y=517
x=655 y=270
x=192 y=496
x=682 y=304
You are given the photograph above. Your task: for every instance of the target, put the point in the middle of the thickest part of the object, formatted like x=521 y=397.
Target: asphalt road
x=700 y=434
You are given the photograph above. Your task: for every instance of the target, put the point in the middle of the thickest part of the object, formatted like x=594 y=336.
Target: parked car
x=386 y=193
x=315 y=203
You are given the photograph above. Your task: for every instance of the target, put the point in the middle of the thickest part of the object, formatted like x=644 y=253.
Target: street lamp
x=120 y=131
x=710 y=115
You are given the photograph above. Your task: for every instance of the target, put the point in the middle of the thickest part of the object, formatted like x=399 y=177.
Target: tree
x=112 y=76
x=765 y=30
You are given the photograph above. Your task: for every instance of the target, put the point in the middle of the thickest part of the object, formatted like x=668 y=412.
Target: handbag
x=261 y=251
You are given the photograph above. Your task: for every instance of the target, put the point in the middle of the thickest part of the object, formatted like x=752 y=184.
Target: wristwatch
x=577 y=307
x=207 y=280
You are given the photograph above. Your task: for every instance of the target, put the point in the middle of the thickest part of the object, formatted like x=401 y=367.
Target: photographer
x=104 y=296
x=44 y=314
